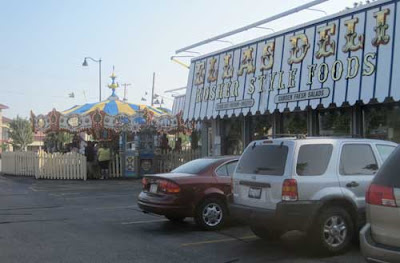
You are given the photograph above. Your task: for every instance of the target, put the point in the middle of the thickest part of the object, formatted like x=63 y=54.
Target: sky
x=44 y=43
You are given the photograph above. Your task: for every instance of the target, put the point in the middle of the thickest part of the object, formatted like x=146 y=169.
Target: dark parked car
x=196 y=189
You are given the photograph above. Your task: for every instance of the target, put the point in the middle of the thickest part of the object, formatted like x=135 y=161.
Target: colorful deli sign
x=352 y=56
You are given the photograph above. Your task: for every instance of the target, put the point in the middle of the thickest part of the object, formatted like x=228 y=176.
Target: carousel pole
x=152 y=89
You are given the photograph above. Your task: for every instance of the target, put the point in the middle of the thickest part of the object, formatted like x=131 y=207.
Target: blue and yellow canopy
x=113 y=107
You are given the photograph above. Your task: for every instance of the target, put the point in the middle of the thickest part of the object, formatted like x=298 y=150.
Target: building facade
x=337 y=76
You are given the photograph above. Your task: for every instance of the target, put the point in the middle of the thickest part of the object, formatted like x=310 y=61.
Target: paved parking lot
x=99 y=221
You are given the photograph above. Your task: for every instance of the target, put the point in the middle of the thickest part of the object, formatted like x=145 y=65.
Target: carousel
x=134 y=132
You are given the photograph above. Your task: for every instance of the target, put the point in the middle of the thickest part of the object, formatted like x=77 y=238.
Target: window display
x=232 y=136
x=382 y=122
x=295 y=123
x=335 y=122
x=260 y=127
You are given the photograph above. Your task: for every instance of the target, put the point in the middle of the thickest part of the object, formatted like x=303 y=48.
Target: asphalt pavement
x=99 y=221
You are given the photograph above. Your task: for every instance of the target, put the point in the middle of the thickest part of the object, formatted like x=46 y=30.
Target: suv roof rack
x=283 y=135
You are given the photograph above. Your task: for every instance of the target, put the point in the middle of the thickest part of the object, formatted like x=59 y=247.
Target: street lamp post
x=85 y=64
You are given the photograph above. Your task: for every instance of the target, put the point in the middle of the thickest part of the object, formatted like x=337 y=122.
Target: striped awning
x=112 y=107
x=179 y=104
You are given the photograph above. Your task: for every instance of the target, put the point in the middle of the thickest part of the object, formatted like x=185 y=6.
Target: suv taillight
x=289 y=190
x=380 y=195
x=168 y=187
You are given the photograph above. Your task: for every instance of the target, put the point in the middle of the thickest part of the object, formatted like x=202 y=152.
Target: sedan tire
x=175 y=219
x=211 y=214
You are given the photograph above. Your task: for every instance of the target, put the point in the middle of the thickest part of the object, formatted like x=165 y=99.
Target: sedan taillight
x=380 y=195
x=145 y=182
x=168 y=187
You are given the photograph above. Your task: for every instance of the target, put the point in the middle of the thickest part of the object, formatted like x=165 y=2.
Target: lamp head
x=85 y=64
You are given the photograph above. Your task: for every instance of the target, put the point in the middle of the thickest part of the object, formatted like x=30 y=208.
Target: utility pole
x=152 y=89
x=125 y=85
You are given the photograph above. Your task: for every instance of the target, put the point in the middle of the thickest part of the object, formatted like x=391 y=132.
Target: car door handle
x=352 y=184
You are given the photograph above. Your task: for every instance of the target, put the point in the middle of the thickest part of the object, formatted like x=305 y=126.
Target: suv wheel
x=333 y=231
x=210 y=214
x=267 y=234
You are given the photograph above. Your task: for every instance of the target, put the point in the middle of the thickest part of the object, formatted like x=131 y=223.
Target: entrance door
x=210 y=141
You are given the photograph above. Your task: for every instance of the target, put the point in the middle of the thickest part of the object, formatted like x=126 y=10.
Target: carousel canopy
x=111 y=114
x=113 y=107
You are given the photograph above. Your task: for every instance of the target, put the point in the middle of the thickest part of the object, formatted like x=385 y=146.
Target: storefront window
x=232 y=136
x=294 y=123
x=382 y=122
x=260 y=127
x=335 y=122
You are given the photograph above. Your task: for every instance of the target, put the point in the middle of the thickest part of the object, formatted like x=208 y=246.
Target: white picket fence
x=18 y=163
x=169 y=160
x=60 y=166
x=45 y=165
x=115 y=167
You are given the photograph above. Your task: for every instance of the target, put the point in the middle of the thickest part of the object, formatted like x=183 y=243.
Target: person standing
x=90 y=159
x=104 y=156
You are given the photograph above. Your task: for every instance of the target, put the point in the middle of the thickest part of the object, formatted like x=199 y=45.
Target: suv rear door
x=261 y=170
x=358 y=164
x=315 y=168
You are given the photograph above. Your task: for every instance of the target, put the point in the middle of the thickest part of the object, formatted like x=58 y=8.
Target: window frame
x=226 y=168
x=373 y=150
x=377 y=145
x=307 y=144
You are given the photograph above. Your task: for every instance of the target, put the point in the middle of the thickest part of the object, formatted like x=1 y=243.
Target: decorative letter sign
x=247 y=62
x=325 y=62
x=351 y=36
x=326 y=46
x=298 y=50
x=381 y=27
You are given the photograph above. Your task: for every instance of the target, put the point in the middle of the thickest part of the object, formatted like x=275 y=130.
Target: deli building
x=337 y=76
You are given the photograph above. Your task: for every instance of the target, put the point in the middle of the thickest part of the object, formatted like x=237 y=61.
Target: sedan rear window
x=389 y=174
x=313 y=159
x=195 y=166
x=263 y=160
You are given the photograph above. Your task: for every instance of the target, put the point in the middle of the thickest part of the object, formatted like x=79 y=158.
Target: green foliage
x=21 y=133
x=56 y=141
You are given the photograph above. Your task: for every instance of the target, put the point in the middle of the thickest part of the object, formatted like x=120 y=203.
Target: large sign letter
x=298 y=51
x=228 y=70
x=212 y=72
x=267 y=57
x=351 y=36
x=326 y=46
x=247 y=62
x=199 y=73
x=380 y=28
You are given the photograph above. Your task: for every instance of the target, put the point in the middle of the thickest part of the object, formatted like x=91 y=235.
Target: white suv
x=316 y=185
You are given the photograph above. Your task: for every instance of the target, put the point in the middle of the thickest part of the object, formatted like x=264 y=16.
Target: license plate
x=254 y=192
x=153 y=188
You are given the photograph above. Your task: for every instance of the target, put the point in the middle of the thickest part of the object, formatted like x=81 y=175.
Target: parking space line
x=144 y=221
x=218 y=241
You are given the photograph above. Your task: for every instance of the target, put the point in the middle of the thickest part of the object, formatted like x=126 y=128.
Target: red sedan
x=196 y=189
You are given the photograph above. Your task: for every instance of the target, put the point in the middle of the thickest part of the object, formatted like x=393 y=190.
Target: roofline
x=339 y=14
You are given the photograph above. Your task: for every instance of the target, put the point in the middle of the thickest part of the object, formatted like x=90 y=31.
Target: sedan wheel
x=210 y=214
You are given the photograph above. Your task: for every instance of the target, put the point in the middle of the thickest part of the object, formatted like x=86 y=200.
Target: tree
x=21 y=133
x=56 y=141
